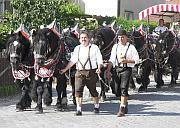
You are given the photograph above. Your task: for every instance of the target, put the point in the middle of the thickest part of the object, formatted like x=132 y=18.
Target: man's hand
x=98 y=71
x=124 y=61
x=62 y=71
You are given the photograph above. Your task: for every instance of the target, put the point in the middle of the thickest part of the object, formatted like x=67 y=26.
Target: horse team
x=38 y=59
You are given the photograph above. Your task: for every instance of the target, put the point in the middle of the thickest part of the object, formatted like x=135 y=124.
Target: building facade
x=128 y=9
x=5 y=5
x=80 y=3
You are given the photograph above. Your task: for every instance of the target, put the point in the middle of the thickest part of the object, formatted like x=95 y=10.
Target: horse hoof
x=158 y=87
x=19 y=108
x=40 y=111
x=142 y=89
x=58 y=109
x=132 y=88
x=64 y=105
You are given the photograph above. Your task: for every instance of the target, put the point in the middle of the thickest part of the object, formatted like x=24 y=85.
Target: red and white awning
x=162 y=10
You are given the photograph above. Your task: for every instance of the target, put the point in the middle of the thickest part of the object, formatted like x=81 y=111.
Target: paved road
x=153 y=109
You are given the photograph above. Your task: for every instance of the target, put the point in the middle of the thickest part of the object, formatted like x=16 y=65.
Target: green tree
x=128 y=24
x=5 y=28
x=34 y=13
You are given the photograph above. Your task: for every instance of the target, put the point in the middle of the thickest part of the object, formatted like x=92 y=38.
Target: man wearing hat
x=123 y=58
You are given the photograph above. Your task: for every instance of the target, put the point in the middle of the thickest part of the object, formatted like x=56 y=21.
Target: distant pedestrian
x=161 y=27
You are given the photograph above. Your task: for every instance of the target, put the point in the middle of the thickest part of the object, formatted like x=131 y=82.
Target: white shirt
x=82 y=52
x=162 y=29
x=119 y=50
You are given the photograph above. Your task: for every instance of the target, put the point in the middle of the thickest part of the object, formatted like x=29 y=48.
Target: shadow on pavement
x=148 y=110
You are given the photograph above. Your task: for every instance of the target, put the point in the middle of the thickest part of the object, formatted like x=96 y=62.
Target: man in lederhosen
x=123 y=57
x=88 y=60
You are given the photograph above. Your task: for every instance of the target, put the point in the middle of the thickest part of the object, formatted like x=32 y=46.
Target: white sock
x=96 y=105
x=122 y=105
x=78 y=108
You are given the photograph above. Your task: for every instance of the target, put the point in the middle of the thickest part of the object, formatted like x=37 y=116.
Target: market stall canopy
x=168 y=12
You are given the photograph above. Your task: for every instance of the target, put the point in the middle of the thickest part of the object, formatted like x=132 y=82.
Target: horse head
x=17 y=49
x=46 y=43
x=137 y=39
x=168 y=42
x=103 y=37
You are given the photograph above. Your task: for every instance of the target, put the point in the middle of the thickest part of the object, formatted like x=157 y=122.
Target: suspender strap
x=124 y=65
x=88 y=59
x=116 y=56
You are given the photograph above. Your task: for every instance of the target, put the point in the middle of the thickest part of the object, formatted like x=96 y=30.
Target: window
x=129 y=15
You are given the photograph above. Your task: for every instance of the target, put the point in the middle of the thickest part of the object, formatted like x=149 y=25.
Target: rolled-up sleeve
x=113 y=55
x=135 y=55
x=99 y=57
x=74 y=57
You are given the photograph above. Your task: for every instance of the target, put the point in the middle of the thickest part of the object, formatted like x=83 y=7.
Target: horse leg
x=104 y=88
x=64 y=92
x=102 y=94
x=158 y=77
x=25 y=100
x=112 y=82
x=28 y=99
x=47 y=95
x=40 y=90
x=34 y=95
x=145 y=79
x=61 y=92
x=174 y=76
x=73 y=89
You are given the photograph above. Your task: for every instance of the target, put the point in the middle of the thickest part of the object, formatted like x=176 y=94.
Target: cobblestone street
x=155 y=108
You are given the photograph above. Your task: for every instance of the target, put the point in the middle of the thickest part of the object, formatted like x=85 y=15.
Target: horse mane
x=139 y=39
x=107 y=34
x=44 y=33
x=168 y=35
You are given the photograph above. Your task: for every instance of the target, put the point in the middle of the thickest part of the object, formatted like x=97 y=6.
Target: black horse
x=48 y=56
x=145 y=49
x=20 y=55
x=168 y=48
x=104 y=38
x=70 y=41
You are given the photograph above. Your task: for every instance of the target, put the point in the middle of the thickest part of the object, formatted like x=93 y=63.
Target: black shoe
x=96 y=110
x=78 y=113
x=121 y=112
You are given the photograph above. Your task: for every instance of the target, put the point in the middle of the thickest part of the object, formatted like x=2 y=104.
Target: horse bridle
x=49 y=62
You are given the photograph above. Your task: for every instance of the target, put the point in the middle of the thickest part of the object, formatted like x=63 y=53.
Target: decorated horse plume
x=53 y=27
x=24 y=31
